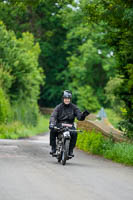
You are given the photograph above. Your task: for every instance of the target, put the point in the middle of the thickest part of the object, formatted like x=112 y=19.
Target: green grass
x=95 y=143
x=90 y=142
x=26 y=112
x=17 y=130
x=121 y=153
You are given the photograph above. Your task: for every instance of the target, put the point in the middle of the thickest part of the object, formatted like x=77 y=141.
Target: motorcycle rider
x=65 y=112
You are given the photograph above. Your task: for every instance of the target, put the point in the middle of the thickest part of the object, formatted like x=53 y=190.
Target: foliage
x=79 y=44
x=43 y=21
x=86 y=99
x=11 y=130
x=26 y=112
x=90 y=142
x=5 y=76
x=21 y=62
x=5 y=108
x=95 y=143
x=126 y=125
x=114 y=116
x=112 y=93
x=17 y=130
x=65 y=40
x=90 y=61
x=117 y=15
x=121 y=152
x=20 y=75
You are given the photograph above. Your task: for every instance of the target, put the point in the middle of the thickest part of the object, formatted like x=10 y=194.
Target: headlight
x=66 y=134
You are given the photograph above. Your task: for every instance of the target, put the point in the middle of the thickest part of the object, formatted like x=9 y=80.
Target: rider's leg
x=72 y=142
x=53 y=135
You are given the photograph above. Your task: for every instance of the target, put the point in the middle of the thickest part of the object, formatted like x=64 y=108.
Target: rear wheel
x=65 y=152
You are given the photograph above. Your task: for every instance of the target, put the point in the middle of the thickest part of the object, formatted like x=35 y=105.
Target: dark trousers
x=54 y=133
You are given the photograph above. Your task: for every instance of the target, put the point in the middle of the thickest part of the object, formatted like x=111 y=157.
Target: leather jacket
x=66 y=114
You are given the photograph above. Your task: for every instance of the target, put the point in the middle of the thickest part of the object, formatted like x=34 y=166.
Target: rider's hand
x=51 y=125
x=86 y=113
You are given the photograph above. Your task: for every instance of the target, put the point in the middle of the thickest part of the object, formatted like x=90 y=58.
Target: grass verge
x=96 y=144
x=17 y=130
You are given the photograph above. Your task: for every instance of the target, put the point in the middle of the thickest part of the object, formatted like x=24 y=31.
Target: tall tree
x=19 y=63
x=118 y=16
x=20 y=74
x=73 y=53
x=90 y=60
x=42 y=19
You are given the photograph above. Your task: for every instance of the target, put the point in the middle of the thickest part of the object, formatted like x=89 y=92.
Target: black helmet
x=67 y=94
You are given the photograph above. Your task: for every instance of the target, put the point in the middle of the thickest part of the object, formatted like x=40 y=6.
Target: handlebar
x=76 y=130
x=60 y=129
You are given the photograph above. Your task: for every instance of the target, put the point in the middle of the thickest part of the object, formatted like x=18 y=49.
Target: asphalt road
x=28 y=172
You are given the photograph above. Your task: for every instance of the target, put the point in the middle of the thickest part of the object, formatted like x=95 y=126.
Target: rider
x=65 y=112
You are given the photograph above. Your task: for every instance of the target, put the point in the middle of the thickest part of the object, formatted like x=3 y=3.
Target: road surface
x=28 y=172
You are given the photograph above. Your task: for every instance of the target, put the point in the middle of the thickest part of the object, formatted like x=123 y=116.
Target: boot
x=71 y=153
x=53 y=150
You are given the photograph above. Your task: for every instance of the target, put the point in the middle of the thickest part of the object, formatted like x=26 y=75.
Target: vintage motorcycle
x=63 y=142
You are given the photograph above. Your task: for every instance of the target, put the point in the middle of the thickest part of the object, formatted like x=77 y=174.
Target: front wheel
x=59 y=158
x=65 y=152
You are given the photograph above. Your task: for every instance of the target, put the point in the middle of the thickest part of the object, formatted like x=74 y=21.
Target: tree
x=5 y=108
x=20 y=75
x=89 y=59
x=86 y=99
x=43 y=21
x=20 y=58
x=117 y=15
x=73 y=52
x=112 y=93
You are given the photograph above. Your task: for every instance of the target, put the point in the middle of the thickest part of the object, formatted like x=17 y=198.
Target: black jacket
x=66 y=114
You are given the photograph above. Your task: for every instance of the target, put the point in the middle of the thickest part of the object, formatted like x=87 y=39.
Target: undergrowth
x=17 y=130
x=95 y=143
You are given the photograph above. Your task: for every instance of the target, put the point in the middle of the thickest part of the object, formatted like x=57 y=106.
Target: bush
x=17 y=130
x=26 y=112
x=86 y=99
x=10 y=131
x=5 y=109
x=107 y=145
x=114 y=117
x=95 y=143
x=121 y=152
x=22 y=75
x=91 y=142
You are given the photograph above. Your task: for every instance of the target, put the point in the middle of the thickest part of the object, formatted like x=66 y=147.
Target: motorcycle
x=63 y=142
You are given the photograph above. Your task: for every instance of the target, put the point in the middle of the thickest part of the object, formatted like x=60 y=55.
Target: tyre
x=59 y=158
x=65 y=152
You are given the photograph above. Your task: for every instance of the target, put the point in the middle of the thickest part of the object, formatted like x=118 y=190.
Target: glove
x=86 y=113
x=51 y=125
